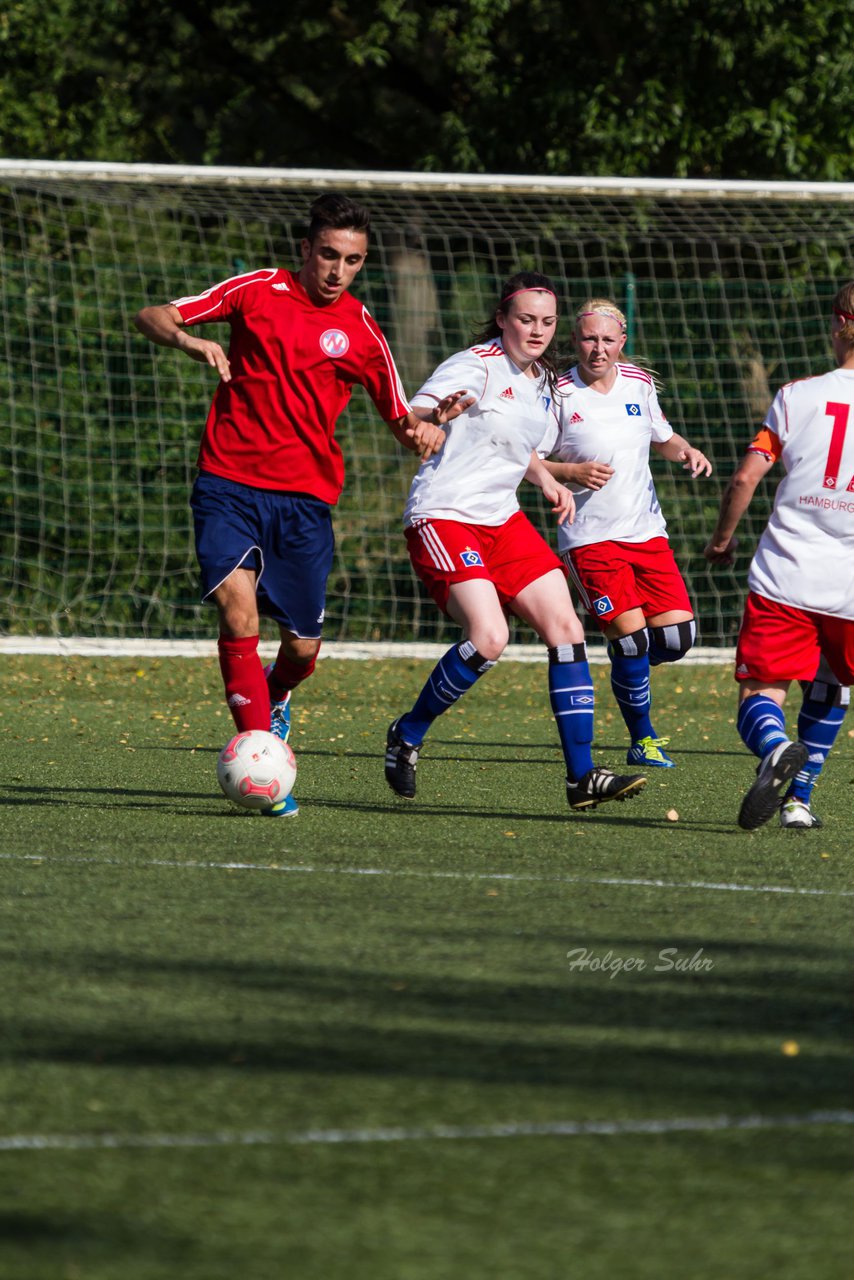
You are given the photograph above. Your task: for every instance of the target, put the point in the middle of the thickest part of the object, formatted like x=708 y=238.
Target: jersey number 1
x=839 y=414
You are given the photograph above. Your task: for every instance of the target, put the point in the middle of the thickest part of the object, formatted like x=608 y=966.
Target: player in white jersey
x=478 y=554
x=617 y=550
x=798 y=621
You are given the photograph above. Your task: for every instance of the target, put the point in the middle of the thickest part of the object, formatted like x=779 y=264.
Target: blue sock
x=761 y=724
x=818 y=725
x=454 y=673
x=571 y=697
x=630 y=683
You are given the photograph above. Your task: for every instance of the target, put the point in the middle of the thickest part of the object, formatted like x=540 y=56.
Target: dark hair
x=334 y=212
x=843 y=309
x=516 y=284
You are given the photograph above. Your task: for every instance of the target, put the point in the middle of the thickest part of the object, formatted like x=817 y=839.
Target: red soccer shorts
x=510 y=555
x=613 y=577
x=780 y=642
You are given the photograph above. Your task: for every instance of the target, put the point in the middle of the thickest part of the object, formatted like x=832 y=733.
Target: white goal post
x=726 y=285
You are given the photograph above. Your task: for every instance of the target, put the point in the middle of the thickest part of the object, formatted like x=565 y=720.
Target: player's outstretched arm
x=417 y=435
x=540 y=474
x=164 y=326
x=421 y=429
x=677 y=449
x=736 y=499
x=587 y=475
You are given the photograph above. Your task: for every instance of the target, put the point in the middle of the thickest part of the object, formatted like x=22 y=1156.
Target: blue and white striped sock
x=571 y=698
x=818 y=726
x=630 y=685
x=454 y=673
x=761 y=724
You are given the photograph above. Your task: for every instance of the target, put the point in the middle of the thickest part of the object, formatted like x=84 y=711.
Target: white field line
x=274 y=868
x=83 y=647
x=428 y=1133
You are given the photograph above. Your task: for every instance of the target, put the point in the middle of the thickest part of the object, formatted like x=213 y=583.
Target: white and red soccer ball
x=256 y=769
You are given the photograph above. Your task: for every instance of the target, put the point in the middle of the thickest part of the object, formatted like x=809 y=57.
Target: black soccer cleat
x=401 y=759
x=599 y=785
x=763 y=799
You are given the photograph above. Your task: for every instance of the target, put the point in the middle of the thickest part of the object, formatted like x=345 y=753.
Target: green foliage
x=755 y=90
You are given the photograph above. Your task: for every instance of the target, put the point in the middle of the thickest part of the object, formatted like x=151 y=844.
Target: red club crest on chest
x=334 y=342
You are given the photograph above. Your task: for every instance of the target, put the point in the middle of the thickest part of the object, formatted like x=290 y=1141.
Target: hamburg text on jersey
x=805 y=556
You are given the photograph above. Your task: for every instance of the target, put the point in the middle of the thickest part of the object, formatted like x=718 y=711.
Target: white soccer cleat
x=797 y=815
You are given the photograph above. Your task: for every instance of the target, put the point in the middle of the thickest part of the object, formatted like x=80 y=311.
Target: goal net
x=726 y=287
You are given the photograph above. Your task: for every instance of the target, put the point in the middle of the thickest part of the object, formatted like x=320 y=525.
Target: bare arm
x=587 y=475
x=418 y=436
x=421 y=429
x=677 y=449
x=734 y=502
x=165 y=327
x=563 y=503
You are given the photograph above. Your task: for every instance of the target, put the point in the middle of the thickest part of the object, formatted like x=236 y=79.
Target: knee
x=634 y=645
x=238 y=622
x=491 y=641
x=670 y=643
x=299 y=650
x=237 y=605
x=564 y=629
x=827 y=693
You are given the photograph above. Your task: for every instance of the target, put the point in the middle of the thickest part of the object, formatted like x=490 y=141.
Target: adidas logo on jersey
x=281 y=288
x=575 y=419
x=507 y=394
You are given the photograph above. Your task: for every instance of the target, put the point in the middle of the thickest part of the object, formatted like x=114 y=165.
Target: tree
x=758 y=90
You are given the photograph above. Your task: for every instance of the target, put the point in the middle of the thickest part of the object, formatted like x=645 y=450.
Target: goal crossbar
x=391 y=180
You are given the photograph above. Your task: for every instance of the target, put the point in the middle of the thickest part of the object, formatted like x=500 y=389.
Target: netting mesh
x=726 y=298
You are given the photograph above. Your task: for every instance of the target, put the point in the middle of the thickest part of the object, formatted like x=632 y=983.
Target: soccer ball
x=256 y=769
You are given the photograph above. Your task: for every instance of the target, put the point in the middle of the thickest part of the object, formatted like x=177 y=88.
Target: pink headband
x=532 y=288
x=843 y=315
x=600 y=311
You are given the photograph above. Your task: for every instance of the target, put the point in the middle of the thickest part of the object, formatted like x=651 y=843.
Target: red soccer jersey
x=293 y=366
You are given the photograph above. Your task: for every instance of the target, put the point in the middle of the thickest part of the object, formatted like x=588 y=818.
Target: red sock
x=246 y=690
x=287 y=674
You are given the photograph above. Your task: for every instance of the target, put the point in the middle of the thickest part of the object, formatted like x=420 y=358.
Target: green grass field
x=353 y=1044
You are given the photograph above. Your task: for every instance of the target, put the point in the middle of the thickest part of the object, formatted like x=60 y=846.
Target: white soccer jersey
x=617 y=428
x=487 y=450
x=805 y=556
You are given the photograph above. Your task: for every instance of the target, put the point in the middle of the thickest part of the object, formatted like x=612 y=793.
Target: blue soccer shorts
x=286 y=537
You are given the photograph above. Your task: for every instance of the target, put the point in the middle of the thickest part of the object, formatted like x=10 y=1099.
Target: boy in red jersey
x=270 y=468
x=798 y=621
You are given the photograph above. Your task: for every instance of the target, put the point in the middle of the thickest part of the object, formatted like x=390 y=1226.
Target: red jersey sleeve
x=378 y=373
x=221 y=300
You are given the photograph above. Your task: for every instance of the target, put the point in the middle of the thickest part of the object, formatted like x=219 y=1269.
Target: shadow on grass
x=94 y=1238
x=662 y=1043
x=456 y=748
x=618 y=814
